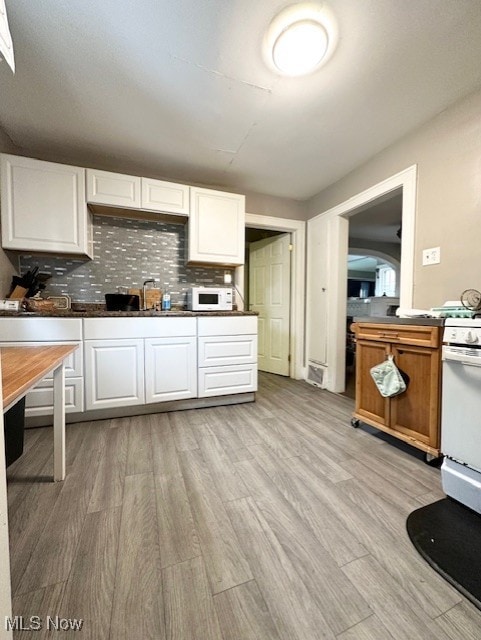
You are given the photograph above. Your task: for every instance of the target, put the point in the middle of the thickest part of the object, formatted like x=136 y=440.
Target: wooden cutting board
x=153 y=297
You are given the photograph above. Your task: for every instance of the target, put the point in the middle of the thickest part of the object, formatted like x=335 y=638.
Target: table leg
x=59 y=423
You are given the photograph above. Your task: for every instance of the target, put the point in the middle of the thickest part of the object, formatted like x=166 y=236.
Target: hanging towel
x=387 y=378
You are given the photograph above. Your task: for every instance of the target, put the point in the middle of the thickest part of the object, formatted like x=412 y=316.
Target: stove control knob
x=471 y=338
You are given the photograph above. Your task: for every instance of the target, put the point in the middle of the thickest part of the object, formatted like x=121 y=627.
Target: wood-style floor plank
x=108 y=489
x=137 y=610
x=178 y=540
x=294 y=610
x=139 y=452
x=398 y=612
x=90 y=587
x=342 y=605
x=48 y=566
x=189 y=609
x=223 y=472
x=461 y=622
x=243 y=614
x=225 y=562
x=35 y=607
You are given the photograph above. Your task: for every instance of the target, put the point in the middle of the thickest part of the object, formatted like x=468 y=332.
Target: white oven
x=461 y=411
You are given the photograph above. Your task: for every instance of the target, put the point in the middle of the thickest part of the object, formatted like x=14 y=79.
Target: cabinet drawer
x=425 y=336
x=227 y=350
x=221 y=381
x=227 y=325
x=39 y=401
x=37 y=330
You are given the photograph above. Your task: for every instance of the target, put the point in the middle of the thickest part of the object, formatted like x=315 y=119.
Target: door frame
x=338 y=217
x=297 y=229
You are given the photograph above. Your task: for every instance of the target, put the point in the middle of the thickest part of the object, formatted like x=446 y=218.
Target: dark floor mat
x=448 y=536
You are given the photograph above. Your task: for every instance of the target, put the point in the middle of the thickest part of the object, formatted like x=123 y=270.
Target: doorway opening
x=268 y=278
x=335 y=222
x=297 y=231
x=373 y=268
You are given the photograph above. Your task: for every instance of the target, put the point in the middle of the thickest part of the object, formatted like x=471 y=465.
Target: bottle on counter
x=166 y=302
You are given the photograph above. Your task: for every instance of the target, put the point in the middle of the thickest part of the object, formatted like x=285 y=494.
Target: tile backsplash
x=126 y=252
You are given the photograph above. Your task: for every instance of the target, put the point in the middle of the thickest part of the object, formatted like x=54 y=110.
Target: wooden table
x=21 y=369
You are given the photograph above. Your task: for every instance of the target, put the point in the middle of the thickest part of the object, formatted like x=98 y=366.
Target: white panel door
x=114 y=373
x=170 y=369
x=269 y=295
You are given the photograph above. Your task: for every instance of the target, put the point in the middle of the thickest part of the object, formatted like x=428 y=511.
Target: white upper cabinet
x=114 y=189
x=43 y=207
x=132 y=192
x=166 y=197
x=216 y=227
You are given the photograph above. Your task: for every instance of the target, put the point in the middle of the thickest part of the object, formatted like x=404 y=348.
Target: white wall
x=447 y=151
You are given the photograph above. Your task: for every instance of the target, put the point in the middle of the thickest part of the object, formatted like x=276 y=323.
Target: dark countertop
x=431 y=322
x=100 y=313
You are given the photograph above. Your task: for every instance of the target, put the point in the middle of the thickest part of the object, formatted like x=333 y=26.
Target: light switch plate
x=431 y=256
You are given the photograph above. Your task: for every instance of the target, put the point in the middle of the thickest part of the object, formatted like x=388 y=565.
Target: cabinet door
x=415 y=412
x=369 y=402
x=170 y=369
x=44 y=207
x=216 y=227
x=114 y=373
x=114 y=189
x=167 y=197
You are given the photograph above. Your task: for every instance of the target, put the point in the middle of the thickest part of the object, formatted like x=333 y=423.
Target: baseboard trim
x=145 y=409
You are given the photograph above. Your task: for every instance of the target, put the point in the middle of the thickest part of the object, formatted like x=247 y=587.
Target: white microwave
x=209 y=299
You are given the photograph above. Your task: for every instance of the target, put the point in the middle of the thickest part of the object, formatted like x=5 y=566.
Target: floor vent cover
x=315 y=375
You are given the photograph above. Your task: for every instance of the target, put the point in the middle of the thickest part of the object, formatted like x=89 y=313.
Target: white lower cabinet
x=18 y=332
x=114 y=373
x=227 y=355
x=132 y=361
x=170 y=369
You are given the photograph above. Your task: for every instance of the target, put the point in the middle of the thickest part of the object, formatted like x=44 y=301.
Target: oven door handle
x=462 y=358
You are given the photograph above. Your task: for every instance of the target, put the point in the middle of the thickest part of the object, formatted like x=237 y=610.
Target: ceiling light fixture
x=300 y=39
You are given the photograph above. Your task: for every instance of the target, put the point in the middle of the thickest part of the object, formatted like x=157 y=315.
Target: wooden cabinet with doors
x=414 y=415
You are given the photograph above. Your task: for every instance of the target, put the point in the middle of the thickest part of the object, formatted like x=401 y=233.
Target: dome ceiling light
x=300 y=39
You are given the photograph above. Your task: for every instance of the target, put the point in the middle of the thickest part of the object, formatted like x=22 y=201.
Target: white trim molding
x=297 y=229
x=336 y=304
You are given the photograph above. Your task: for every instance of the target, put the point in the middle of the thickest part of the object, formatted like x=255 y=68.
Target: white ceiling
x=179 y=89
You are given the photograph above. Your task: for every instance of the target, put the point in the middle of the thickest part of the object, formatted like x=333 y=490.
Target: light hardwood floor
x=269 y=520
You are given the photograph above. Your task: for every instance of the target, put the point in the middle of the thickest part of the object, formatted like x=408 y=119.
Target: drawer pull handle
x=389 y=335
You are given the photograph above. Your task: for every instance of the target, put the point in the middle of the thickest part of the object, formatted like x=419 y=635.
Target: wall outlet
x=431 y=256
